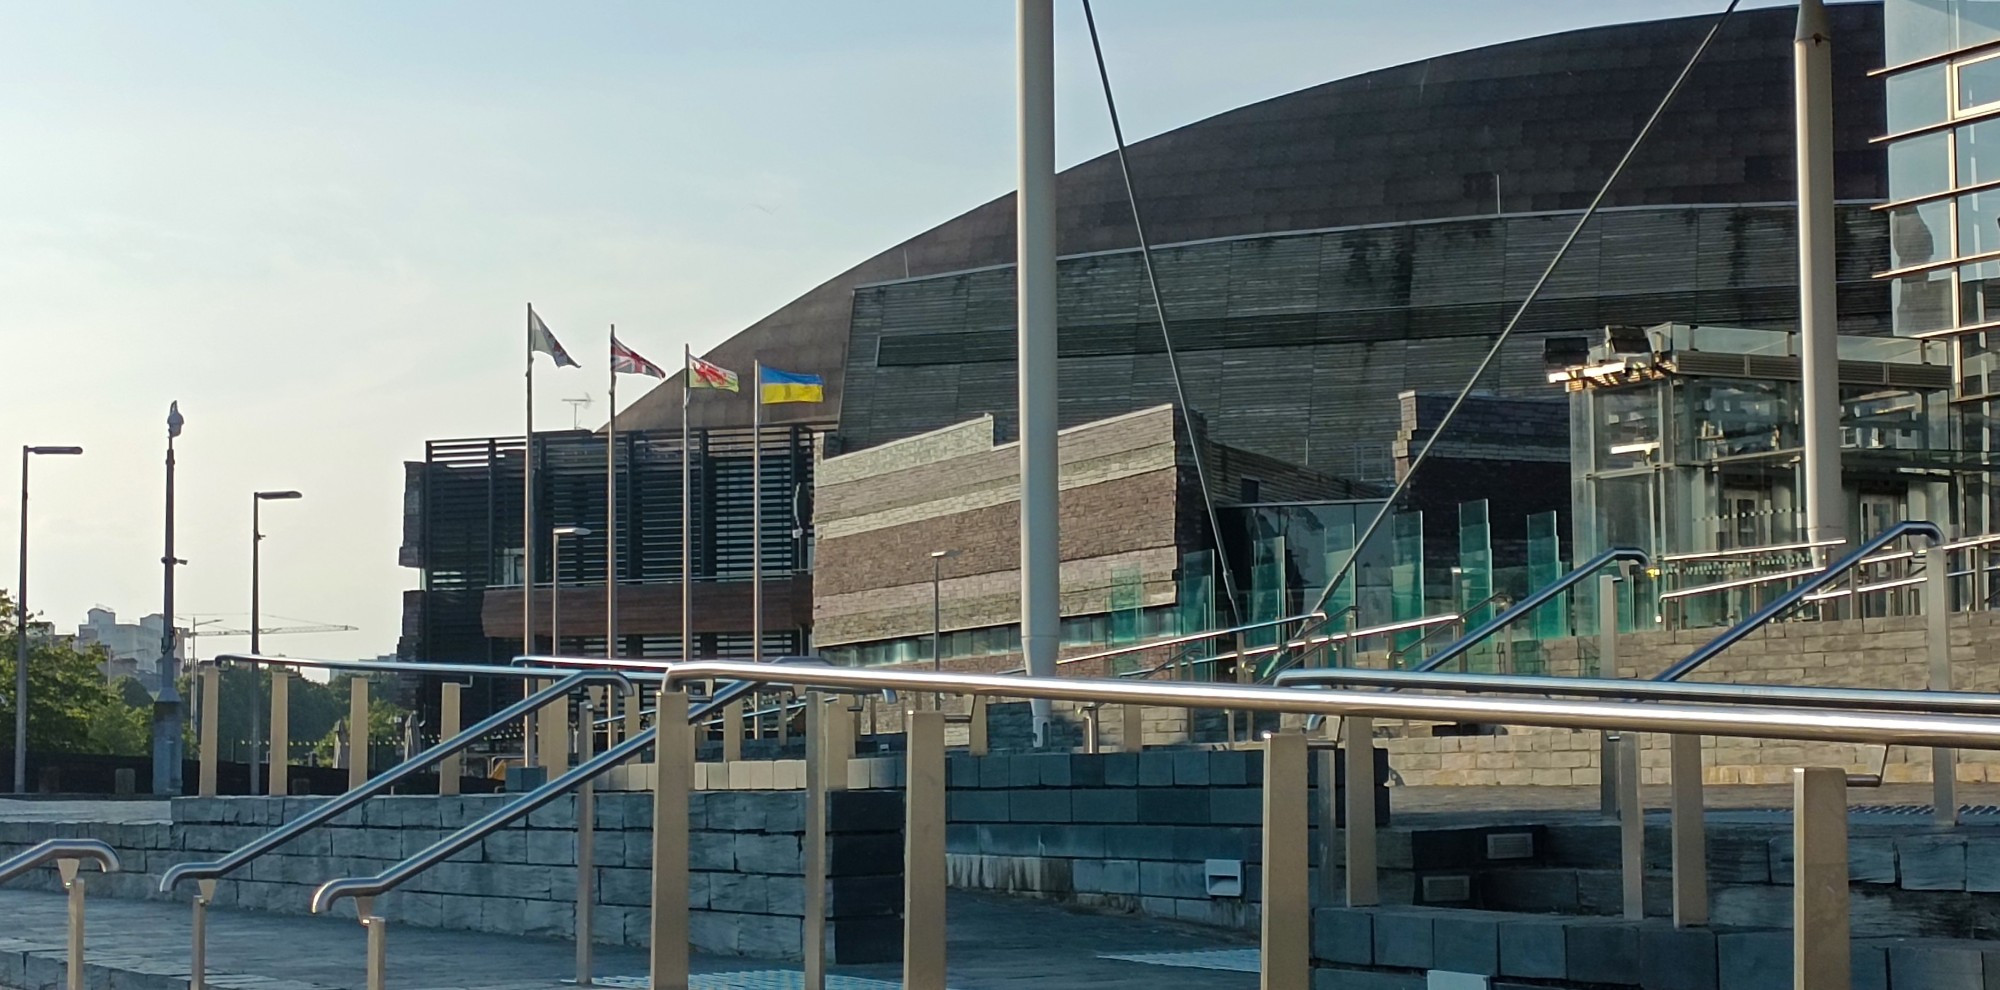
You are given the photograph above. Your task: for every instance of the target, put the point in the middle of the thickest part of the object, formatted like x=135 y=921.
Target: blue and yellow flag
x=777 y=386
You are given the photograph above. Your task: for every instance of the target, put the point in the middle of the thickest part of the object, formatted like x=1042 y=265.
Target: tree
x=67 y=694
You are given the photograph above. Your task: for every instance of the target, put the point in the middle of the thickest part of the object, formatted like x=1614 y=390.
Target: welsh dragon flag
x=704 y=374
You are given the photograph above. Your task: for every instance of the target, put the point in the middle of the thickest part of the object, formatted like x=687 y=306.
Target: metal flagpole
x=611 y=510
x=528 y=502
x=757 y=511
x=687 y=509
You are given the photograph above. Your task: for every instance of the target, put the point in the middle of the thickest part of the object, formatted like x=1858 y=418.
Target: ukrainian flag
x=776 y=386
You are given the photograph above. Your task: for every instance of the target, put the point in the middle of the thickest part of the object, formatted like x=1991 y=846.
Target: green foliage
x=70 y=707
x=384 y=718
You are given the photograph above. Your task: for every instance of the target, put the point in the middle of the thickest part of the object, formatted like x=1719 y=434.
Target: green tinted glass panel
x=1475 y=577
x=1406 y=573
x=1125 y=605
x=1544 y=567
x=1197 y=599
x=1267 y=589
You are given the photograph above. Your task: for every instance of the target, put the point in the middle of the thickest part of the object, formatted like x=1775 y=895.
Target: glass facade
x=1943 y=116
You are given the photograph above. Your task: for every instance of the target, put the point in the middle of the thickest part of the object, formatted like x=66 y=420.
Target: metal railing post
x=198 y=958
x=732 y=732
x=72 y=881
x=586 y=841
x=1132 y=729
x=358 y=738
x=1631 y=827
x=814 y=942
x=1286 y=959
x=1327 y=761
x=280 y=783
x=1690 y=831
x=450 y=714
x=673 y=766
x=1937 y=642
x=378 y=947
x=975 y=735
x=1820 y=957
x=1362 y=889
x=1607 y=666
x=1093 y=728
x=211 y=730
x=554 y=744
x=924 y=855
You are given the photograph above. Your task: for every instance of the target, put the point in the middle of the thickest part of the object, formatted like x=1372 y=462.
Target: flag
x=704 y=374
x=540 y=339
x=785 y=386
x=626 y=361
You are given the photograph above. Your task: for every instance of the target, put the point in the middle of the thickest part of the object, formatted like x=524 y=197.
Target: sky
x=315 y=226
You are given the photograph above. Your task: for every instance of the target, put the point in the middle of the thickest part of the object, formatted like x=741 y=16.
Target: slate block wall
x=746 y=887
x=1129 y=831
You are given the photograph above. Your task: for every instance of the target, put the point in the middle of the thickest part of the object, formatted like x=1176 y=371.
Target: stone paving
x=109 y=811
x=995 y=944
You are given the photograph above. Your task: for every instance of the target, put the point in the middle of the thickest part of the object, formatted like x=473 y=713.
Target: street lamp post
x=21 y=628
x=257 y=500
x=938 y=557
x=555 y=583
x=167 y=704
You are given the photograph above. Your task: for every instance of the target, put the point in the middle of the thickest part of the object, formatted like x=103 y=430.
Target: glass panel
x=1406 y=573
x=1628 y=429
x=1978 y=84
x=1919 y=166
x=1913 y=29
x=1126 y=601
x=1919 y=234
x=1978 y=153
x=1196 y=596
x=1979 y=222
x=1979 y=292
x=1339 y=548
x=1475 y=577
x=1978 y=21
x=1544 y=567
x=1922 y=302
x=1267 y=589
x=1916 y=99
x=1978 y=362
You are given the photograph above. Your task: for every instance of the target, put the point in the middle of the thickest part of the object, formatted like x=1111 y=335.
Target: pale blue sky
x=315 y=225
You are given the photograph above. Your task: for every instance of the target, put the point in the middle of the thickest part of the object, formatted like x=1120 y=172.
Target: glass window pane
x=1979 y=152
x=1978 y=84
x=1979 y=293
x=1922 y=303
x=1919 y=234
x=1979 y=223
x=1912 y=29
x=1978 y=22
x=1919 y=166
x=1916 y=99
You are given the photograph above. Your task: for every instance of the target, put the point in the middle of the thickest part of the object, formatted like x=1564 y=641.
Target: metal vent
x=1510 y=845
x=1454 y=888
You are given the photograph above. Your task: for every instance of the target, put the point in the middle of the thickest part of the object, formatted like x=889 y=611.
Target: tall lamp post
x=167 y=704
x=257 y=500
x=555 y=583
x=21 y=628
x=938 y=557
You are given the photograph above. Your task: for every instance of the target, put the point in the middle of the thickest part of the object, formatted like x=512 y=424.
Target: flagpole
x=611 y=509
x=528 y=502
x=687 y=509
x=756 y=511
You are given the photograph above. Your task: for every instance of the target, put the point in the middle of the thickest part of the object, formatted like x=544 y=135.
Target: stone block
x=769 y=936
x=559 y=813
x=976 y=806
x=738 y=892
x=548 y=919
x=1535 y=949
x=995 y=771
x=1104 y=805
x=502 y=914
x=1344 y=935
x=1931 y=862
x=1162 y=879
x=1070 y=841
x=1466 y=943
x=549 y=847
x=1121 y=769
x=1870 y=968
x=1156 y=769
x=863 y=897
x=1229 y=767
x=632 y=888
x=1603 y=952
x=709 y=851
x=961 y=771
x=1235 y=806
x=1677 y=959
x=1404 y=938
x=1139 y=841
x=1191 y=768
x=1936 y=965
x=773 y=853
x=1331 y=978
x=1170 y=806
x=1086 y=770
x=1872 y=859
x=1054 y=769
x=1754 y=960
x=863 y=811
x=1025 y=770
x=859 y=941
x=785 y=811
x=713 y=932
x=785 y=895
x=1982 y=865
x=1106 y=876
x=861 y=855
x=1038 y=805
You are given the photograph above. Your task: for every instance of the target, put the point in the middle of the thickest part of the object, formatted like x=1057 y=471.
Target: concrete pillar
x=357 y=732
x=673 y=769
x=1690 y=833
x=1820 y=930
x=1041 y=554
x=924 y=871
x=211 y=729
x=450 y=712
x=1286 y=913
x=1819 y=326
x=281 y=734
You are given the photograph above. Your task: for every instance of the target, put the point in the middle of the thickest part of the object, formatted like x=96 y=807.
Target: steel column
x=673 y=766
x=1607 y=666
x=450 y=714
x=378 y=952
x=1631 y=827
x=1362 y=889
x=1820 y=956
x=198 y=956
x=281 y=734
x=1286 y=959
x=1690 y=832
x=211 y=729
x=586 y=842
x=924 y=856
x=1035 y=222
x=1327 y=761
x=357 y=735
x=1937 y=644
x=72 y=881
x=1812 y=59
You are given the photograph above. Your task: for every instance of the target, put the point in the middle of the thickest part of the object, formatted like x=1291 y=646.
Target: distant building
x=134 y=647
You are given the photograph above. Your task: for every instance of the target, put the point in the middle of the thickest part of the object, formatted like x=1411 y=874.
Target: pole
x=1041 y=561
x=528 y=500
x=1819 y=328
x=757 y=512
x=611 y=518
x=256 y=710
x=21 y=646
x=687 y=510
x=937 y=613
x=167 y=704
x=555 y=593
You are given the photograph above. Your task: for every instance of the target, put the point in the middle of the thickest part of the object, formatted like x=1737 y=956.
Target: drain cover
x=1230 y=960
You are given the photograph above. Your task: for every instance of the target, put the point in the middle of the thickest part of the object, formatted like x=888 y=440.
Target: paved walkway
x=995 y=944
x=111 y=811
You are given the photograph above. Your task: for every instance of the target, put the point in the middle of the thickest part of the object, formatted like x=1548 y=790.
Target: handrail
x=423 y=859
x=456 y=744
x=1396 y=654
x=1307 y=641
x=1194 y=637
x=1786 y=601
x=1535 y=599
x=94 y=850
x=1939 y=702
x=424 y=667
x=1759 y=723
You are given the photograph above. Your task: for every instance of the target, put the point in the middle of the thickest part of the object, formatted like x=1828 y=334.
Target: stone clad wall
x=746 y=886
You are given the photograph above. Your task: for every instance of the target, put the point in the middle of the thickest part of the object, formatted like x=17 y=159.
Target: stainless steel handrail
x=1185 y=638
x=1797 y=593
x=1307 y=642
x=1396 y=655
x=51 y=850
x=647 y=673
x=1939 y=702
x=423 y=859
x=1534 y=599
x=376 y=785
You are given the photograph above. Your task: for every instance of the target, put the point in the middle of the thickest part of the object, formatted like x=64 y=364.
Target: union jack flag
x=626 y=361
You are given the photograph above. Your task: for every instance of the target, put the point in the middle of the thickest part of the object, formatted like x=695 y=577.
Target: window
x=1978 y=153
x=1914 y=29
x=1917 y=99
x=1919 y=234
x=1921 y=303
x=1978 y=85
x=1920 y=166
x=1979 y=293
